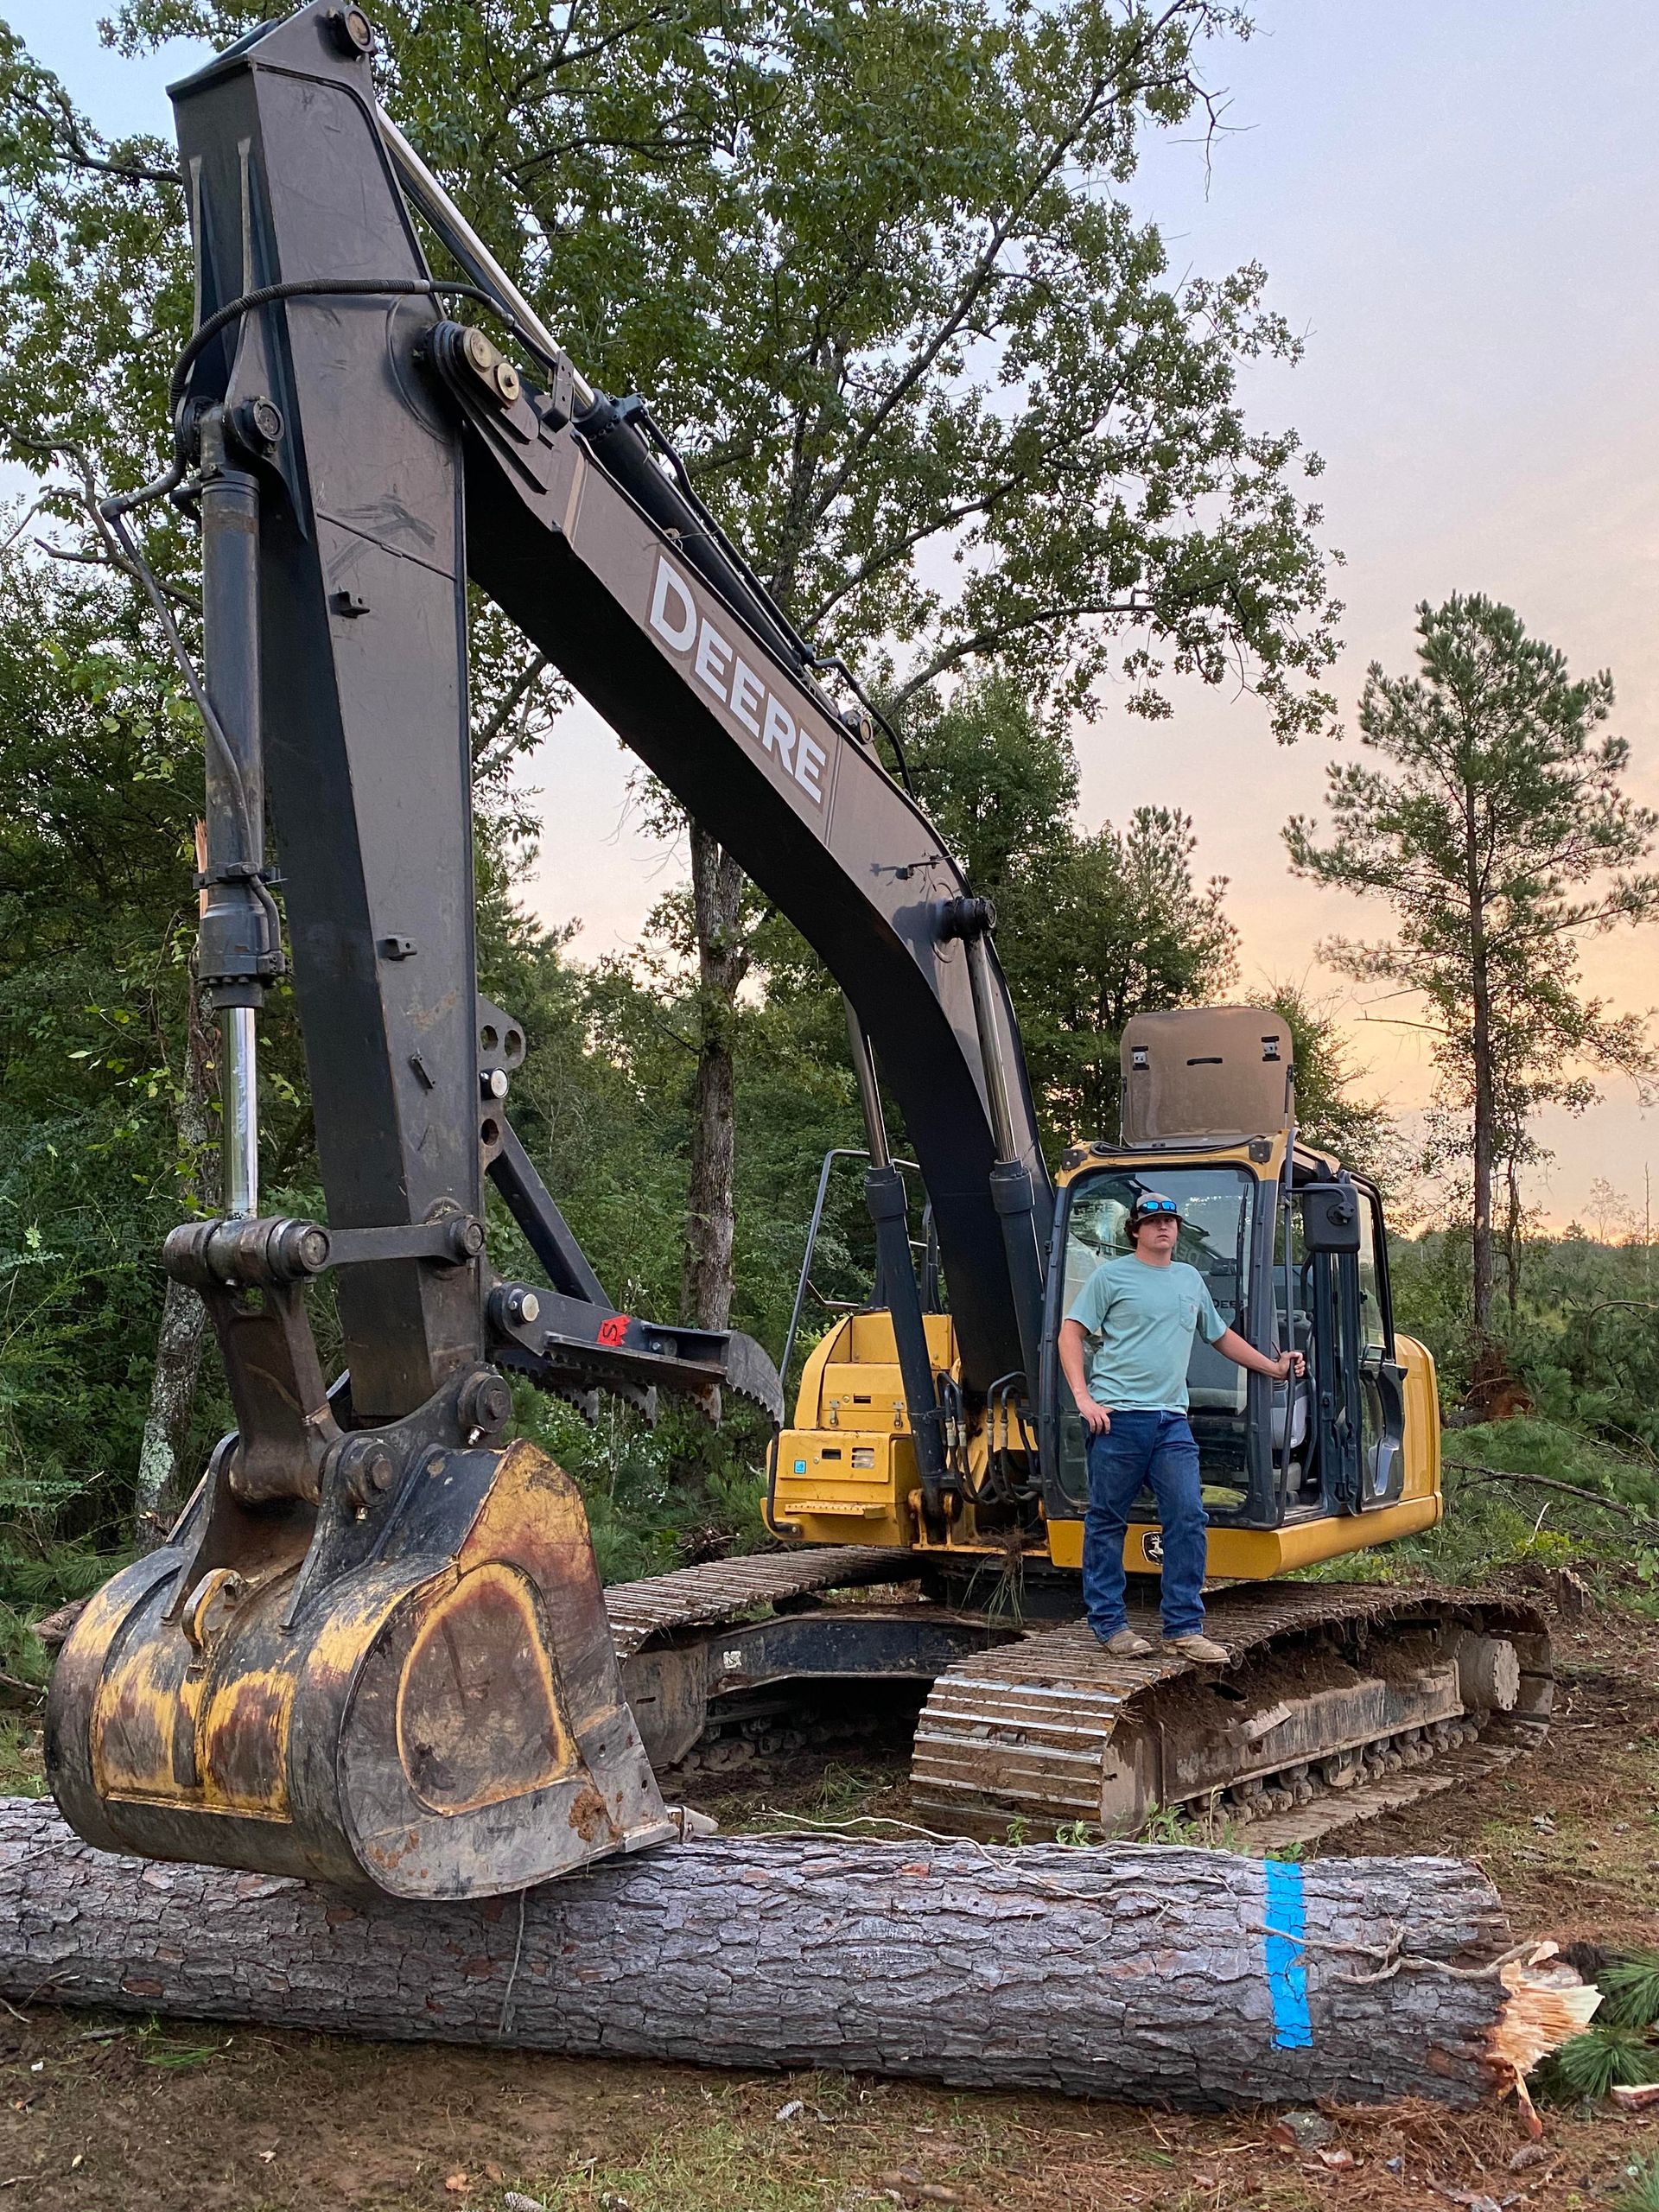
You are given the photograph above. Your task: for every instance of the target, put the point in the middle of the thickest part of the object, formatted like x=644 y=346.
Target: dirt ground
x=104 y=2113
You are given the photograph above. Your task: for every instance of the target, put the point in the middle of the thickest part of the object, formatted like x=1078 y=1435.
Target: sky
x=1455 y=201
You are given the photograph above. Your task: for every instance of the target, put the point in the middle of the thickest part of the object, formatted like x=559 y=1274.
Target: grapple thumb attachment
x=420 y=1693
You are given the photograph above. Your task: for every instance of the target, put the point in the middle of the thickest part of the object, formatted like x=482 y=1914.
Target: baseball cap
x=1152 y=1205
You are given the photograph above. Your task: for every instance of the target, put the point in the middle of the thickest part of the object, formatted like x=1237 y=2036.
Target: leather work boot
x=1200 y=1649
x=1124 y=1644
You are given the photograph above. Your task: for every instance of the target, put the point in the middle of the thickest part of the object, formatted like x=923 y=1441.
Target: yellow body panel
x=1257 y=1554
x=830 y=1490
x=1262 y=1157
x=1422 y=1421
x=847 y=1468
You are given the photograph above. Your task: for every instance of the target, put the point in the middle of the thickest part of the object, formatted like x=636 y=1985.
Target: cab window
x=1375 y=1334
x=1218 y=1222
x=1216 y=1205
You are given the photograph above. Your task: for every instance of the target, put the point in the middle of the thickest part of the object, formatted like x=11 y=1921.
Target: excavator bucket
x=443 y=1717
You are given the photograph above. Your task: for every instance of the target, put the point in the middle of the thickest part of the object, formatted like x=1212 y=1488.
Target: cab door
x=1382 y=1377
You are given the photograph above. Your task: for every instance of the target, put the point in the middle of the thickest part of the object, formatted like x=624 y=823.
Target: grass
x=801 y=2143
x=21 y=1774
x=1206 y=1831
x=713 y=2168
x=1490 y=1525
x=845 y=1789
x=842 y=1790
x=1642 y=2194
x=157 y=2047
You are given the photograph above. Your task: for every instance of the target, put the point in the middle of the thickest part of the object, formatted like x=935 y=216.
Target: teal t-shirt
x=1140 y=1321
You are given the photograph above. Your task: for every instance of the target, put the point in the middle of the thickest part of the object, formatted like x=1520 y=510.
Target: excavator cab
x=1294 y=1250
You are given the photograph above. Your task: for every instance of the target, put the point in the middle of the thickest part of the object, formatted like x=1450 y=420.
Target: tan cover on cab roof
x=1204 y=1071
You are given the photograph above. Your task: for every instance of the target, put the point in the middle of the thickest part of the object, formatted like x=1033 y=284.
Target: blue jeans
x=1138 y=1450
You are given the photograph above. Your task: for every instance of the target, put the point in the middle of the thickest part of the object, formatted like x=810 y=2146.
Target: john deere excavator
x=375 y=1646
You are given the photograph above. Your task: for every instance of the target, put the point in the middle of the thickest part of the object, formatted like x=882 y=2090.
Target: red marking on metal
x=614 y=1330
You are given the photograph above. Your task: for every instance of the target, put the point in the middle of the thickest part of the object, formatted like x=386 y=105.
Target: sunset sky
x=1457 y=201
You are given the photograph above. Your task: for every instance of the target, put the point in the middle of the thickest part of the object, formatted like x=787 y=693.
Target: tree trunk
x=1512 y=1234
x=1485 y=1107
x=722 y=962
x=166 y=1424
x=184 y=1317
x=1157 y=1975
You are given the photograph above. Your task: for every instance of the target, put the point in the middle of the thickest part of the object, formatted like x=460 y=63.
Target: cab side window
x=1375 y=1322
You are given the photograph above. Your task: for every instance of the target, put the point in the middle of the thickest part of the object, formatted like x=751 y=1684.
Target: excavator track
x=1340 y=1704
x=724 y=1590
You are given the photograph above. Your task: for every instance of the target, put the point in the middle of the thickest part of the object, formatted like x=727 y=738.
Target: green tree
x=99 y=783
x=1331 y=1113
x=1092 y=927
x=95 y=282
x=1498 y=830
x=1124 y=927
x=998 y=776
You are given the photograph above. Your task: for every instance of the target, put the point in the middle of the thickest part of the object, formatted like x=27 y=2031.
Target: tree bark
x=1132 y=1972
x=1485 y=1114
x=705 y=1281
x=184 y=1317
x=172 y=1402
x=1512 y=1233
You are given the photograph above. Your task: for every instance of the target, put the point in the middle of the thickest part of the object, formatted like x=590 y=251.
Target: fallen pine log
x=1128 y=1971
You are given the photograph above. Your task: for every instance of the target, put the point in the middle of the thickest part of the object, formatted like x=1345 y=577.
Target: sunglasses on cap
x=1155 y=1208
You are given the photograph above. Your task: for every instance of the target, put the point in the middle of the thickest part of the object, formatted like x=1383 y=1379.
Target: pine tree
x=1495 y=825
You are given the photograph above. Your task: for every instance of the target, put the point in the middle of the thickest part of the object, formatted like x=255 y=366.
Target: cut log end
x=1126 y=1972
x=1548 y=2004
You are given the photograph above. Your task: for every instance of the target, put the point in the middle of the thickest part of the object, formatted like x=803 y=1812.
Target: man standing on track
x=1124 y=1347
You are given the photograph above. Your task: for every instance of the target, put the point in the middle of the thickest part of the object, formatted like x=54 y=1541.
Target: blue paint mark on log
x=1286 y=1955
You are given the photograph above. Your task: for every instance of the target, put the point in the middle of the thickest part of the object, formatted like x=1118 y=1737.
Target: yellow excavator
x=1338 y=1691
x=375 y=1647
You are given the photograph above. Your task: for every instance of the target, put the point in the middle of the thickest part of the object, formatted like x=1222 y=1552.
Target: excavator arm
x=413 y=455
x=375 y=1644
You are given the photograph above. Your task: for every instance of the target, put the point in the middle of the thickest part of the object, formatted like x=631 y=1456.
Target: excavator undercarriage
x=1343 y=1702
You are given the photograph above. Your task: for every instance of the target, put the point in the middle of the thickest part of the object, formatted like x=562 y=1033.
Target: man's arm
x=1073 y=1353
x=1232 y=1346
